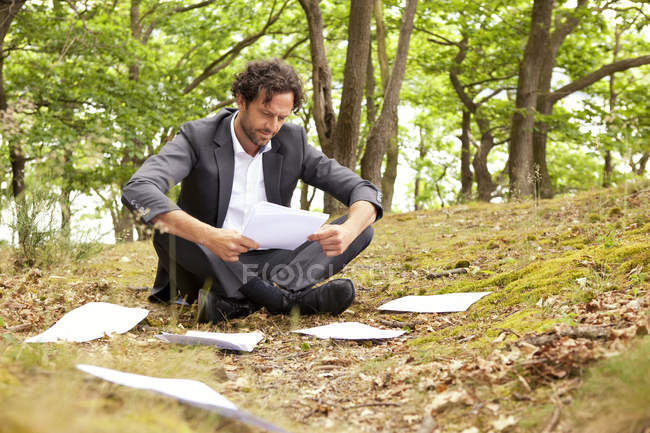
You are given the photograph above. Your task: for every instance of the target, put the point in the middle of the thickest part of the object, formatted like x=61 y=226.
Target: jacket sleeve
x=145 y=193
x=342 y=183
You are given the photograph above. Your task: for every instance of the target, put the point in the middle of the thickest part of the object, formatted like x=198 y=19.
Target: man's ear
x=241 y=103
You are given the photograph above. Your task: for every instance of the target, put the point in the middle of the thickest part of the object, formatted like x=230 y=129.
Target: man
x=226 y=164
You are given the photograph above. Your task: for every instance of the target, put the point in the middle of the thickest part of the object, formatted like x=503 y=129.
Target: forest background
x=489 y=101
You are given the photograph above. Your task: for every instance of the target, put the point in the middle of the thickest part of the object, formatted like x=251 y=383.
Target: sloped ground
x=569 y=276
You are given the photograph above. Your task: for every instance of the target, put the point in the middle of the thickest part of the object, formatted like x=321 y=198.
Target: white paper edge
x=383 y=306
x=309 y=331
x=44 y=336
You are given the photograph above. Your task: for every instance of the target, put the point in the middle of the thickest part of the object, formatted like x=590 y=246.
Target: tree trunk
x=390 y=172
x=563 y=28
x=422 y=147
x=8 y=11
x=607 y=169
x=382 y=54
x=639 y=167
x=346 y=133
x=66 y=190
x=392 y=153
x=17 y=158
x=521 y=160
x=484 y=184
x=123 y=224
x=466 y=177
x=371 y=110
x=338 y=138
x=305 y=198
x=385 y=126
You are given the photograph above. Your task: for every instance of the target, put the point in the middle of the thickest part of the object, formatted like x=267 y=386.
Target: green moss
x=593 y=217
x=634 y=254
x=615 y=212
x=615 y=395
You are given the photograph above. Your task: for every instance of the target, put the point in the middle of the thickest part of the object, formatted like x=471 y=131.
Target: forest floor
x=560 y=345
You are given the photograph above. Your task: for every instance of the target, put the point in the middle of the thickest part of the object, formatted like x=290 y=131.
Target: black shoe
x=214 y=308
x=332 y=297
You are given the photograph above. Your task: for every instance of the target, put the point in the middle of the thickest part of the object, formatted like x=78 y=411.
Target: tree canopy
x=479 y=100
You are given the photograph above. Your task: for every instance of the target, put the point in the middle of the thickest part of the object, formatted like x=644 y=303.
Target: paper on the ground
x=244 y=341
x=447 y=303
x=350 y=331
x=275 y=226
x=91 y=321
x=188 y=391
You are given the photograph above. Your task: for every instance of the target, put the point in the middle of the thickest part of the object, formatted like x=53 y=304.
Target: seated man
x=228 y=163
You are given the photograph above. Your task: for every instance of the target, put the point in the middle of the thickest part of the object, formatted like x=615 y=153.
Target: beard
x=256 y=137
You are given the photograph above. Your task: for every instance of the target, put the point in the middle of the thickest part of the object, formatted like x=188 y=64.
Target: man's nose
x=274 y=124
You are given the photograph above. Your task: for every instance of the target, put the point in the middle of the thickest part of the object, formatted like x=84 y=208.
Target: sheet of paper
x=91 y=321
x=447 y=303
x=275 y=226
x=188 y=391
x=244 y=341
x=350 y=331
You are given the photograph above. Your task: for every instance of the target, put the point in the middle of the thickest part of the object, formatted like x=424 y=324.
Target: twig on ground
x=552 y=423
x=441 y=274
x=509 y=331
x=583 y=331
x=21 y=327
x=399 y=324
x=371 y=405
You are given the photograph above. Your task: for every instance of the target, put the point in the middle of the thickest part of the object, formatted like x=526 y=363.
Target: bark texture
x=521 y=162
x=382 y=130
x=339 y=136
x=8 y=11
x=466 y=176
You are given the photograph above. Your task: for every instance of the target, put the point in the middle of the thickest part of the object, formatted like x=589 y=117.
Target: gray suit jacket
x=201 y=157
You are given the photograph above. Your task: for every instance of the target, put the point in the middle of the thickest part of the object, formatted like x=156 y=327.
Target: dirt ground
x=562 y=334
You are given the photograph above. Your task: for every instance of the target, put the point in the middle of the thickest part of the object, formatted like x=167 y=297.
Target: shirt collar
x=236 y=145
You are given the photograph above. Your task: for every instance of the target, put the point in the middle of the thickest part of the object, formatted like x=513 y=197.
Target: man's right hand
x=225 y=244
x=228 y=244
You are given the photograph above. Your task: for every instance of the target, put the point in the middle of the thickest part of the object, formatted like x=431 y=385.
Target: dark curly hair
x=273 y=76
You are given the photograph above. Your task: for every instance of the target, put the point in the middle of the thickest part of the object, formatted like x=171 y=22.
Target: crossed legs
x=185 y=267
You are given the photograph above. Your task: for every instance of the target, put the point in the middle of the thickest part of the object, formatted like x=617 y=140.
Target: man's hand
x=225 y=244
x=333 y=238
x=228 y=244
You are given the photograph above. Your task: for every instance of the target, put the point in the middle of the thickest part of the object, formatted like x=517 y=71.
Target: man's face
x=259 y=121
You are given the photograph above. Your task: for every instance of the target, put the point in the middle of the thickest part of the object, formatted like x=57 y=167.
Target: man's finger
x=323 y=233
x=249 y=243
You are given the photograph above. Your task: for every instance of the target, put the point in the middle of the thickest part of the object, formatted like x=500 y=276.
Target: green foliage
x=40 y=241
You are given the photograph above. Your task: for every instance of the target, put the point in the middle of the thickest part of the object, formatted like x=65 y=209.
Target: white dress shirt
x=247 y=184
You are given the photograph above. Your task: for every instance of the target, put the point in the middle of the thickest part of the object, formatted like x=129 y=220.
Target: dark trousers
x=185 y=267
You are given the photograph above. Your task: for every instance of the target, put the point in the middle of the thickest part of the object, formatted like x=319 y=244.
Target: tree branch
x=489 y=80
x=229 y=56
x=441 y=39
x=298 y=43
x=591 y=78
x=194 y=6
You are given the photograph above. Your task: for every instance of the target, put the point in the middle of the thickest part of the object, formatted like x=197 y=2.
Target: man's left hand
x=333 y=238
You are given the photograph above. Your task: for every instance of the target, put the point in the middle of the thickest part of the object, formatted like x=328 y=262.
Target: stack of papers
x=447 y=303
x=91 y=321
x=190 y=392
x=275 y=226
x=244 y=341
x=350 y=331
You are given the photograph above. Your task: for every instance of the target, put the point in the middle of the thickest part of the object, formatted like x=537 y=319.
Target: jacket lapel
x=272 y=167
x=225 y=157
